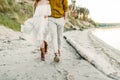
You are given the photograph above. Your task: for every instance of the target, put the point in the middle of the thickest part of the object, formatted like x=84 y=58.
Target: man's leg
x=53 y=32
x=60 y=30
x=60 y=36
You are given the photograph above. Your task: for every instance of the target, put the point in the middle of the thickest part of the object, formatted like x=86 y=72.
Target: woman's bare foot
x=42 y=54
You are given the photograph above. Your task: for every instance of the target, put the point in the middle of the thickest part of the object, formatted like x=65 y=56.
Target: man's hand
x=45 y=16
x=65 y=16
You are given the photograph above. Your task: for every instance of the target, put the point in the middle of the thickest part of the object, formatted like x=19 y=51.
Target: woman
x=36 y=27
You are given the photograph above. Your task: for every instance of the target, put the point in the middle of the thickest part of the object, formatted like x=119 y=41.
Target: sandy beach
x=21 y=61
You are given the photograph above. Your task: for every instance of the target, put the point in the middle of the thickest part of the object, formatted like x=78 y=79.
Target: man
x=59 y=10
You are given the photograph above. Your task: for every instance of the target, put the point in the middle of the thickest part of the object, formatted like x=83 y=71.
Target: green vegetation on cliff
x=78 y=18
x=12 y=14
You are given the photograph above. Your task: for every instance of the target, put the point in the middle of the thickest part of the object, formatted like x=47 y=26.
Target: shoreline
x=103 y=43
x=100 y=54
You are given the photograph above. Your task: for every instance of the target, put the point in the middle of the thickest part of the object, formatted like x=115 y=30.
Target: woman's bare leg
x=42 y=51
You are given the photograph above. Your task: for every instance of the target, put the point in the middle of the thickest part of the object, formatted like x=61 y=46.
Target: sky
x=103 y=11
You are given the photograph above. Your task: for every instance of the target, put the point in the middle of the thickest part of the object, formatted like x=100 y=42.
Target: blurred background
x=14 y=12
x=83 y=14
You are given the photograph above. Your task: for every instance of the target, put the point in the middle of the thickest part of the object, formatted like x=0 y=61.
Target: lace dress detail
x=35 y=29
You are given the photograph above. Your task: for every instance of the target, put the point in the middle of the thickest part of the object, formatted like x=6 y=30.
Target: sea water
x=111 y=36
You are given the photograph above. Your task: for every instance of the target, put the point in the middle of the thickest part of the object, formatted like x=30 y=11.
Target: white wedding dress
x=35 y=29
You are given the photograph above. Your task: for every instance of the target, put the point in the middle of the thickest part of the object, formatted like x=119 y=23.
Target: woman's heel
x=42 y=54
x=46 y=46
